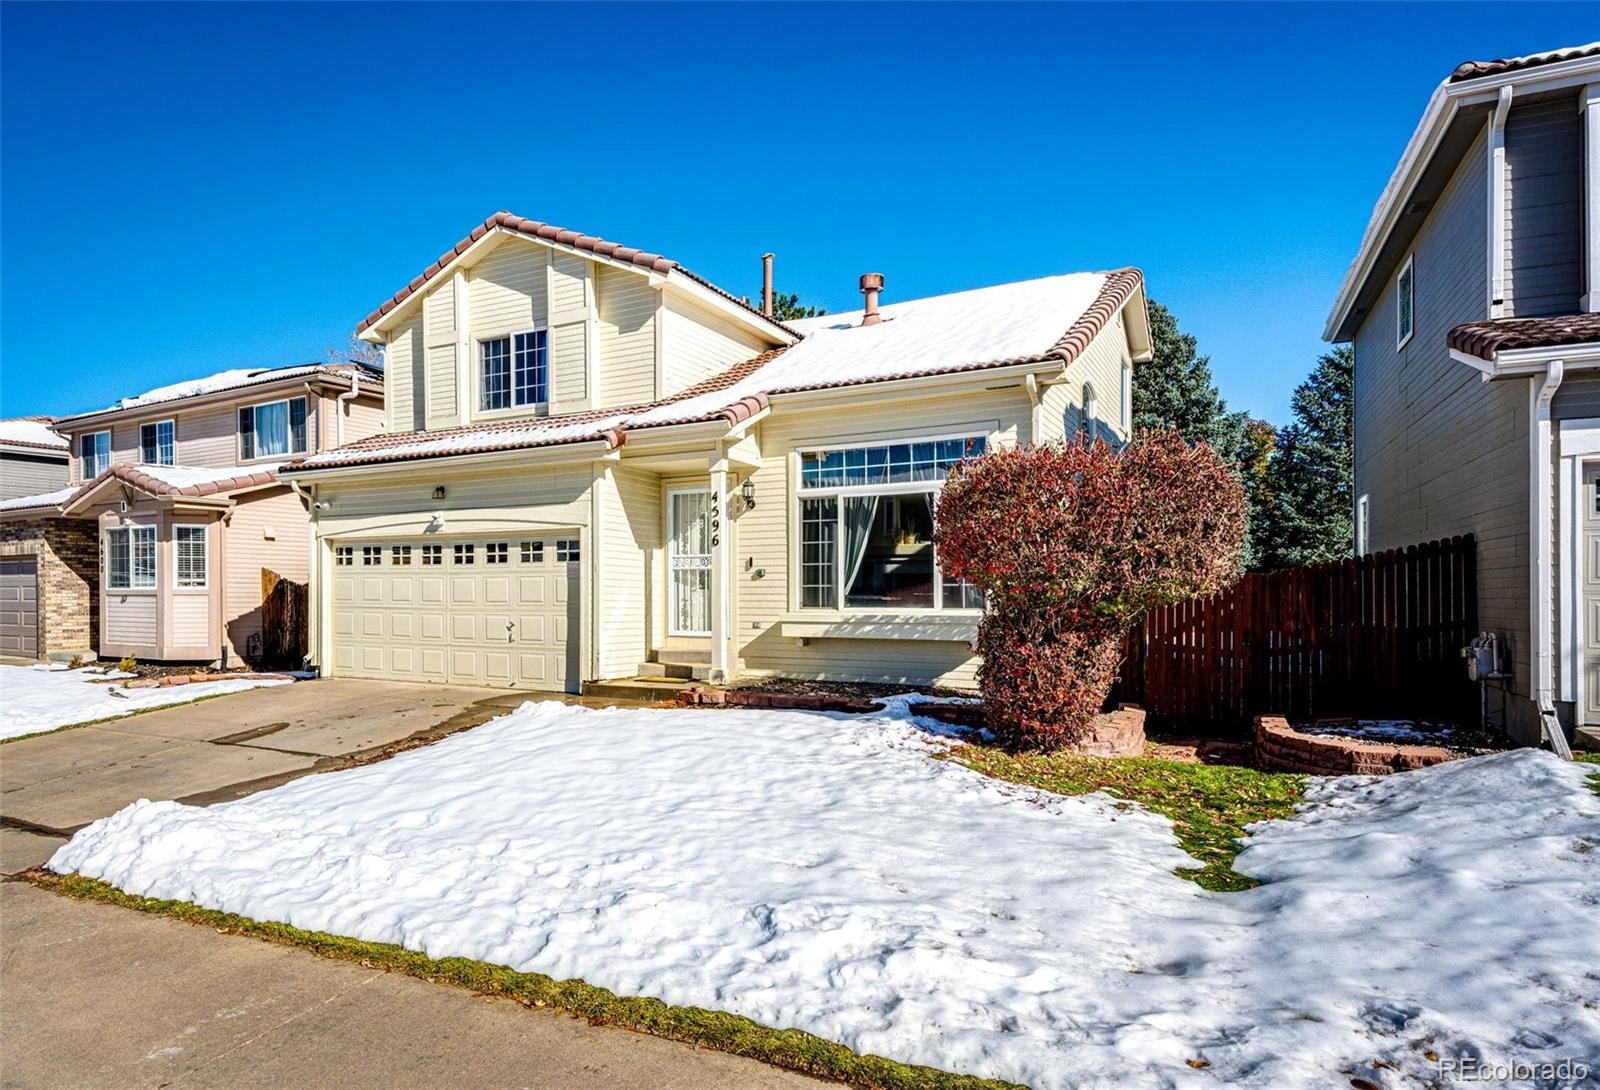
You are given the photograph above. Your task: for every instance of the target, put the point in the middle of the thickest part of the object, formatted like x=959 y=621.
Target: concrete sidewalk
x=97 y=995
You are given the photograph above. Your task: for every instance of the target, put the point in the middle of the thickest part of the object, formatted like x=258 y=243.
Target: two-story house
x=1472 y=304
x=33 y=457
x=599 y=465
x=173 y=523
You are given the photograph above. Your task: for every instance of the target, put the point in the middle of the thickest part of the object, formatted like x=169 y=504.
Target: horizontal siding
x=1437 y=451
x=191 y=619
x=569 y=282
x=508 y=289
x=19 y=477
x=697 y=345
x=569 y=366
x=1100 y=365
x=130 y=620
x=439 y=310
x=1543 y=209
x=267 y=533
x=627 y=335
x=441 y=397
x=405 y=389
x=546 y=495
x=630 y=535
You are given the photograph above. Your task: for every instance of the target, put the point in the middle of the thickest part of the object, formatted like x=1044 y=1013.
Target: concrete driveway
x=98 y=995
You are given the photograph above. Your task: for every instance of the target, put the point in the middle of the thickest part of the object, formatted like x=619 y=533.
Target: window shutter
x=247 y=433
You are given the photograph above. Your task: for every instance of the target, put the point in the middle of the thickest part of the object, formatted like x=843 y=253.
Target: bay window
x=95 y=450
x=189 y=544
x=514 y=371
x=272 y=428
x=155 y=443
x=866 y=526
x=131 y=557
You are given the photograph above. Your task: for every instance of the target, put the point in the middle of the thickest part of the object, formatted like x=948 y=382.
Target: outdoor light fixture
x=438 y=492
x=749 y=493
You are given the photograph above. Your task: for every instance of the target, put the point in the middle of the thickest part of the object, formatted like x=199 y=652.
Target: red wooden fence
x=1378 y=636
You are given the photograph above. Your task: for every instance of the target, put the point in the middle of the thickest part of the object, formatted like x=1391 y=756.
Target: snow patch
x=49 y=696
x=825 y=872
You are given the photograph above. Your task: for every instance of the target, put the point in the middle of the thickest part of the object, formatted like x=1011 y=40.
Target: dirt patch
x=860 y=690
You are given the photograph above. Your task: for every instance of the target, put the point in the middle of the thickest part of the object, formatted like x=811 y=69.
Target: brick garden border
x=185 y=679
x=1118 y=733
x=1281 y=748
x=698 y=696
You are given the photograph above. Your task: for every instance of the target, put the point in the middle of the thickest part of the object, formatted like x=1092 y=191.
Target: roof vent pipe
x=871 y=285
x=766 y=284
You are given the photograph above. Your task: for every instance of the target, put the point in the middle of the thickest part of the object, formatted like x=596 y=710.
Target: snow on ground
x=46 y=697
x=826 y=873
x=1405 y=731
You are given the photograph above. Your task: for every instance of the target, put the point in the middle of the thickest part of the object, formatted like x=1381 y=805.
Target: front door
x=1589 y=501
x=689 y=558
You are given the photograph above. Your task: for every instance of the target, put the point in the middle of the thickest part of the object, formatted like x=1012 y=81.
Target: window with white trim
x=533 y=552
x=866 y=526
x=566 y=549
x=131 y=557
x=1405 y=303
x=514 y=371
x=189 y=551
x=496 y=552
x=371 y=555
x=463 y=554
x=400 y=555
x=432 y=555
x=344 y=555
x=94 y=451
x=272 y=428
x=155 y=443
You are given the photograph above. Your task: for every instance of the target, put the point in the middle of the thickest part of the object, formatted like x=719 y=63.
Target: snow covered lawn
x=828 y=873
x=47 y=697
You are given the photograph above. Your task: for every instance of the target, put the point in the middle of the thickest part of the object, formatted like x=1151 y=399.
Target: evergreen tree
x=1255 y=467
x=1175 y=390
x=1312 y=475
x=785 y=307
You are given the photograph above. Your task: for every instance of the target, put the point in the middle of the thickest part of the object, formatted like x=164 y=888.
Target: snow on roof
x=227 y=380
x=188 y=476
x=40 y=500
x=1052 y=317
x=31 y=431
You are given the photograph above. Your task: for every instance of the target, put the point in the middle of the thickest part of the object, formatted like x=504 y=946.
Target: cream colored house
x=599 y=465
x=179 y=487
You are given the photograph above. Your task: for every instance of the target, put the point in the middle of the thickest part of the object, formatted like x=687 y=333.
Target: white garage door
x=478 y=611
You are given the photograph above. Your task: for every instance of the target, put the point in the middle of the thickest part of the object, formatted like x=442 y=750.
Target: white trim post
x=1589 y=106
x=1497 y=203
x=720 y=672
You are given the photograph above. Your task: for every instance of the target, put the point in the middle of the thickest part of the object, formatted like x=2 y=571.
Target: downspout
x=349 y=395
x=1540 y=479
x=1497 y=204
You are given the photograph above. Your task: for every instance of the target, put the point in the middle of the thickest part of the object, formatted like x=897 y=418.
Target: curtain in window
x=272 y=429
x=859 y=514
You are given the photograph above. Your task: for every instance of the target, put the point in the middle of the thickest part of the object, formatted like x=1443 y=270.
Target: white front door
x=1589 y=504
x=689 y=559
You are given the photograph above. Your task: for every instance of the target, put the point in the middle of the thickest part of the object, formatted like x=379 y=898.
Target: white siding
x=1100 y=365
x=405 y=388
x=629 y=539
x=441 y=397
x=696 y=345
x=627 y=309
x=508 y=290
x=130 y=620
x=191 y=619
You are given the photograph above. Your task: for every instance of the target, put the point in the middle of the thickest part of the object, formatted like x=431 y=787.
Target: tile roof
x=1479 y=69
x=236 y=378
x=38 y=503
x=551 y=233
x=1001 y=326
x=1484 y=339
x=32 y=432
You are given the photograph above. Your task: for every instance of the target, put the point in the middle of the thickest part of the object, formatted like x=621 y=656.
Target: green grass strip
x=792 y=1049
x=1209 y=805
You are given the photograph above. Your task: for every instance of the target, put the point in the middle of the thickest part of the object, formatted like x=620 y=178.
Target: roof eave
x=1447 y=99
x=1523 y=362
x=371 y=382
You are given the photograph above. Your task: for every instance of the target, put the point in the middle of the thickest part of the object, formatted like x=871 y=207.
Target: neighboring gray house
x=1472 y=305
x=33 y=458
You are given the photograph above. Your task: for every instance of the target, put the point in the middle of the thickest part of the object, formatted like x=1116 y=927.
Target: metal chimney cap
x=871 y=282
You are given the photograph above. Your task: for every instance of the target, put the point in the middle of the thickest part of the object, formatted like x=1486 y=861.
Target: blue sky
x=189 y=188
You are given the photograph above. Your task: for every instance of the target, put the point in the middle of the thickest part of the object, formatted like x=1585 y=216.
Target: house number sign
x=716 y=519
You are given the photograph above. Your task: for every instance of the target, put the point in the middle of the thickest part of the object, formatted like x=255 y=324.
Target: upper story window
x=866 y=526
x=1405 y=304
x=515 y=371
x=95 y=451
x=155 y=443
x=272 y=428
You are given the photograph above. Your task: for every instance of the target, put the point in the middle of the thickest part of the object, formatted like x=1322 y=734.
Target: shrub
x=77 y=663
x=127 y=664
x=1071 y=545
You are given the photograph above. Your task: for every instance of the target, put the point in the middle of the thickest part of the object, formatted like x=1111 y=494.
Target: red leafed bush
x=1071 y=544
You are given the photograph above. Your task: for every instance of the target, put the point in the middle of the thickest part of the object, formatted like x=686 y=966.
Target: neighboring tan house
x=33 y=458
x=1472 y=305
x=175 y=494
x=599 y=465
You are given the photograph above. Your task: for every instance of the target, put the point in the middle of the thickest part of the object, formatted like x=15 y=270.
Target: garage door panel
x=500 y=624
x=19 y=607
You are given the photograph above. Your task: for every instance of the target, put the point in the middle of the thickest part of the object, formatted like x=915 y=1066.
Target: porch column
x=719 y=569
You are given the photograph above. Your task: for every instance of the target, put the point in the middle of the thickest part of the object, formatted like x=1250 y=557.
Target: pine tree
x=1312 y=474
x=786 y=307
x=1175 y=390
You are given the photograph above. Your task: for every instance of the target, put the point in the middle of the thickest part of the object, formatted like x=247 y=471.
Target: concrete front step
x=683 y=656
x=681 y=670
x=1586 y=738
x=632 y=689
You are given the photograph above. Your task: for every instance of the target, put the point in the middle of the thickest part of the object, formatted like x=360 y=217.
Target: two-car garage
x=492 y=611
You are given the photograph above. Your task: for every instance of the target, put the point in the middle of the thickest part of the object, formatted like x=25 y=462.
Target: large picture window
x=95 y=449
x=189 y=543
x=131 y=558
x=155 y=443
x=866 y=526
x=272 y=428
x=515 y=371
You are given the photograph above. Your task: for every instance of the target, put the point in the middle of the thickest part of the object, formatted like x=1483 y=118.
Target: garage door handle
x=511 y=626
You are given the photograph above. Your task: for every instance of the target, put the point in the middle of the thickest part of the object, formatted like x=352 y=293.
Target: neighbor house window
x=866 y=526
x=1405 y=304
x=514 y=370
x=1363 y=525
x=189 y=544
x=131 y=557
x=272 y=428
x=155 y=443
x=95 y=449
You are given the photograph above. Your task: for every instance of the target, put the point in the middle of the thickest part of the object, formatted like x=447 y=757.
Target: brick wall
x=1281 y=748
x=68 y=557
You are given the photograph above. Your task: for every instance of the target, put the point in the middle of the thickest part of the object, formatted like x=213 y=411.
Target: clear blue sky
x=188 y=188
